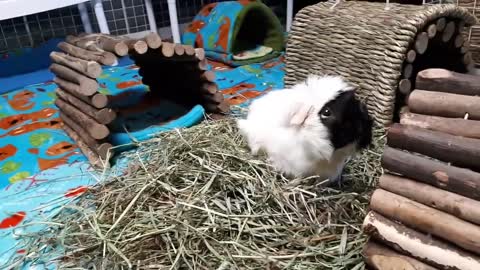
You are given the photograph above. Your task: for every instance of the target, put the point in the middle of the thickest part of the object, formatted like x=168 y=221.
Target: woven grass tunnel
x=378 y=50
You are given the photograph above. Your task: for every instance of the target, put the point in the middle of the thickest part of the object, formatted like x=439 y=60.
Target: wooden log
x=421 y=43
x=441 y=23
x=87 y=43
x=443 y=80
x=96 y=130
x=465 y=47
x=203 y=64
x=381 y=257
x=119 y=47
x=153 y=40
x=102 y=58
x=467 y=58
x=223 y=107
x=102 y=116
x=431 y=31
x=74 y=40
x=418 y=245
x=100 y=42
x=453 y=126
x=411 y=56
x=448 y=202
x=408 y=71
x=460 y=151
x=179 y=49
x=457 y=180
x=98 y=100
x=471 y=68
x=209 y=87
x=458 y=42
x=426 y=219
x=189 y=50
x=101 y=148
x=168 y=49
x=86 y=86
x=449 y=31
x=92 y=157
x=405 y=86
x=137 y=46
x=444 y=104
x=91 y=69
x=208 y=76
x=200 y=53
x=217 y=116
x=460 y=26
x=92 y=43
x=215 y=98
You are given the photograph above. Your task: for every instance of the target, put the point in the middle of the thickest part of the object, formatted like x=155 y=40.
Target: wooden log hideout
x=166 y=68
x=425 y=213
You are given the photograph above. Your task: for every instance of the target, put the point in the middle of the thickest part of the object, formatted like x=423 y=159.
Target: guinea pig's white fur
x=286 y=126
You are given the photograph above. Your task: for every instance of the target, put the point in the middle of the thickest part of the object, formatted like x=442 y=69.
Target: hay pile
x=195 y=199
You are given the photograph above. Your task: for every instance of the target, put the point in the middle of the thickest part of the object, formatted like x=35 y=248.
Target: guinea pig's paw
x=254 y=148
x=338 y=179
x=277 y=164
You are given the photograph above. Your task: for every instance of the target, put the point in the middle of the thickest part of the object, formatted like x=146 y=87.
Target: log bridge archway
x=171 y=71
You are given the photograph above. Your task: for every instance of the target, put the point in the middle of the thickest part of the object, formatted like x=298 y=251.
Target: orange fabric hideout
x=195 y=26
x=205 y=11
x=223 y=31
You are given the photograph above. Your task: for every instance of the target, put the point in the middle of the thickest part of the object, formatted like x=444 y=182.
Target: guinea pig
x=311 y=129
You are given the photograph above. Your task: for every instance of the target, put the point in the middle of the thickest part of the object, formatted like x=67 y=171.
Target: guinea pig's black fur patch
x=347 y=120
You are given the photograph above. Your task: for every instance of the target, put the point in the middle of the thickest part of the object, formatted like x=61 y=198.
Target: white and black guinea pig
x=310 y=129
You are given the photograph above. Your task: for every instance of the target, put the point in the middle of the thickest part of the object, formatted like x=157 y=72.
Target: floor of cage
x=29 y=191
x=197 y=199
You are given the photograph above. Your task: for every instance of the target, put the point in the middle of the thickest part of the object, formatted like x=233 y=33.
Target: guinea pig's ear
x=299 y=114
x=366 y=125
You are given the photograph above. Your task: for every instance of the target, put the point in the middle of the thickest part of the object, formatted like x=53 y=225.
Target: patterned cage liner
x=362 y=41
x=472 y=34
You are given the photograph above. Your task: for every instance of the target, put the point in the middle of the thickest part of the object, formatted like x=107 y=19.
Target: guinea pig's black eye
x=325 y=113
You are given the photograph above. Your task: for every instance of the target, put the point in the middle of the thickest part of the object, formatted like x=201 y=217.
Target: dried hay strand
x=197 y=199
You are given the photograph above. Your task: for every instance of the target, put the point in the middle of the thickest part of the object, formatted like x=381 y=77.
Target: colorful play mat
x=41 y=168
